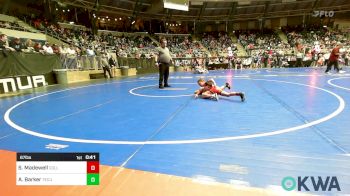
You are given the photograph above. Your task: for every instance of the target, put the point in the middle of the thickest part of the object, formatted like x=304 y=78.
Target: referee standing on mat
x=333 y=59
x=163 y=62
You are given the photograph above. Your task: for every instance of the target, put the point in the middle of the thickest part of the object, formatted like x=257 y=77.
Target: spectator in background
x=29 y=45
x=112 y=62
x=326 y=57
x=71 y=51
x=47 y=48
x=63 y=54
x=90 y=51
x=71 y=61
x=63 y=49
x=56 y=49
x=37 y=47
x=266 y=59
x=4 y=44
x=17 y=45
x=320 y=60
x=346 y=58
x=299 y=52
x=78 y=51
x=83 y=51
x=91 y=56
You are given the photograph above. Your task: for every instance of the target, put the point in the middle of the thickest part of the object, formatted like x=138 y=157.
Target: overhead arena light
x=177 y=4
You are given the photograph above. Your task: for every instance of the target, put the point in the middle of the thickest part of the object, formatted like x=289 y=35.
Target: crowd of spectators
x=183 y=46
x=128 y=45
x=187 y=52
x=13 y=26
x=306 y=46
x=218 y=44
x=315 y=43
x=264 y=49
x=256 y=39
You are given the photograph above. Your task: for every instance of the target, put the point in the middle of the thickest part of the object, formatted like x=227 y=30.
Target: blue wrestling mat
x=294 y=122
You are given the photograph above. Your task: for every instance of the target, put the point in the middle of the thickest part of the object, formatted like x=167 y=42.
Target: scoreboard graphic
x=57 y=169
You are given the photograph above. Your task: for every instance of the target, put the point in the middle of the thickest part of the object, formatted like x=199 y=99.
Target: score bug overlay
x=57 y=169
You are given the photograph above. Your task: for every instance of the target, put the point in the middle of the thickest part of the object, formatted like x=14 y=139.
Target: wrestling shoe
x=242 y=95
x=215 y=97
x=167 y=85
x=341 y=71
x=227 y=85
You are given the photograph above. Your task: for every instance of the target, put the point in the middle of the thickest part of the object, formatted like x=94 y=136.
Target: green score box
x=92 y=179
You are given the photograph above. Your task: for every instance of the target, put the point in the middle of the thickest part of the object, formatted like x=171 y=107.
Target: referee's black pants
x=163 y=74
x=107 y=69
x=331 y=63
